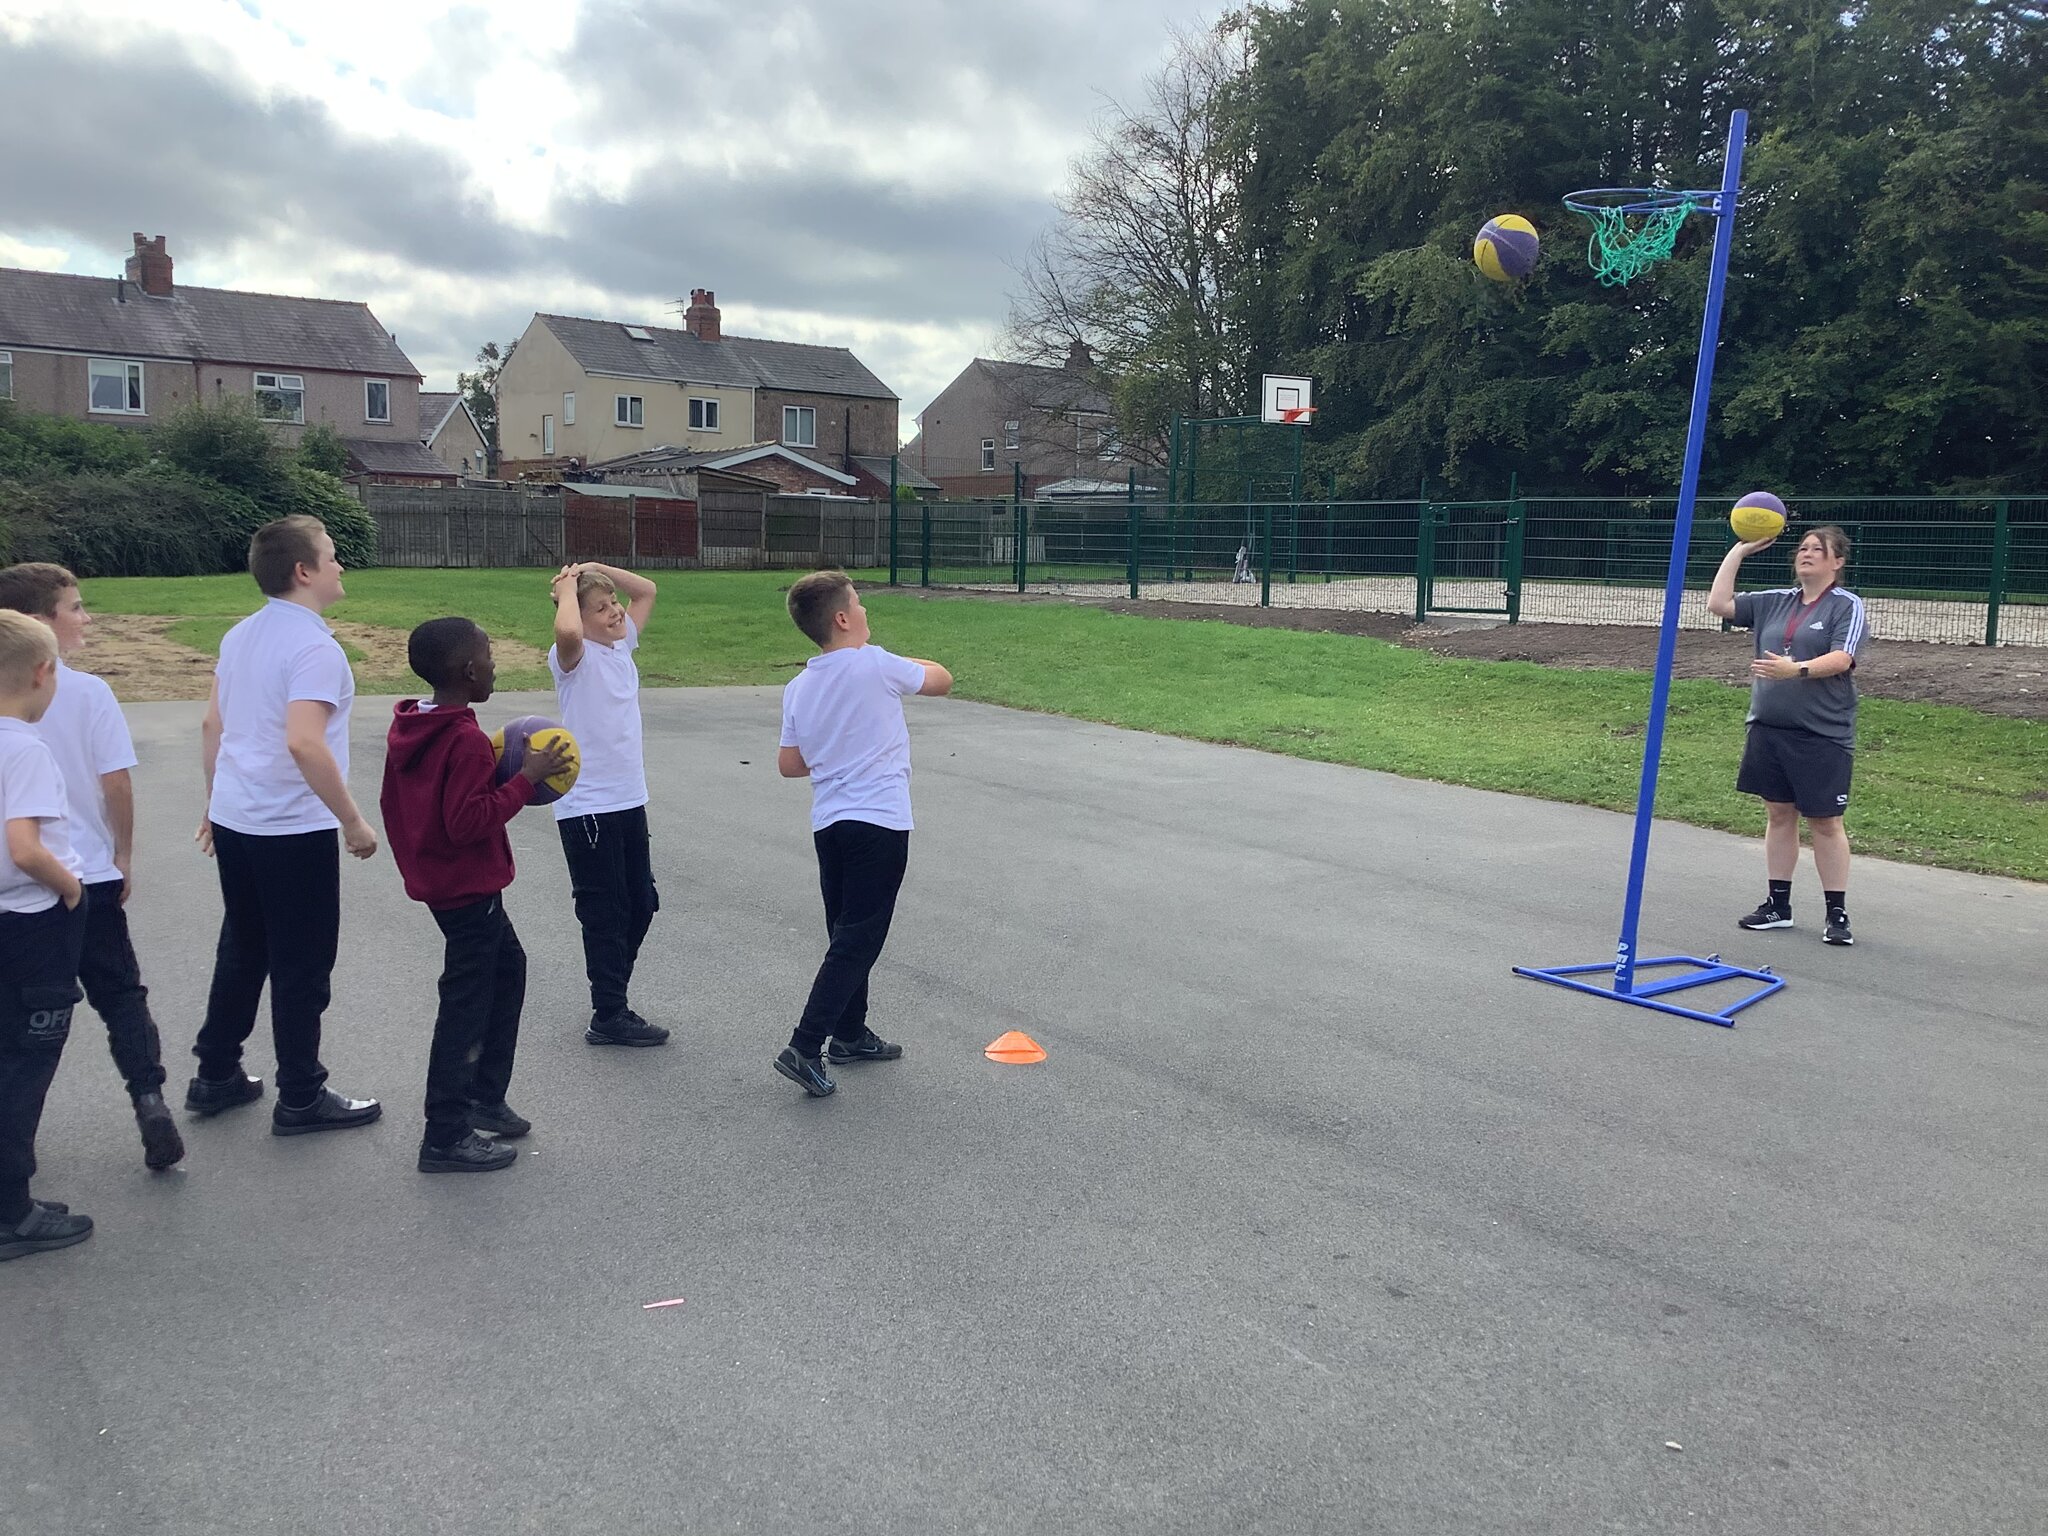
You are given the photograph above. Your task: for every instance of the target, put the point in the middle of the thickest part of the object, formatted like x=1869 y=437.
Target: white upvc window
x=703 y=415
x=988 y=453
x=376 y=399
x=114 y=387
x=281 y=397
x=6 y=375
x=800 y=426
x=629 y=411
x=569 y=409
x=547 y=436
x=1108 y=445
x=1010 y=431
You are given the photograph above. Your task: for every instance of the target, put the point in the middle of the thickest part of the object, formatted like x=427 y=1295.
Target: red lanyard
x=1799 y=615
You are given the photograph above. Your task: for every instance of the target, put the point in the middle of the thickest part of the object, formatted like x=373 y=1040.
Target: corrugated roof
x=742 y=362
x=1047 y=389
x=379 y=456
x=64 y=312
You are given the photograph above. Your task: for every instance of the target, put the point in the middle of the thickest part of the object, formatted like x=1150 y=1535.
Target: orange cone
x=1016 y=1048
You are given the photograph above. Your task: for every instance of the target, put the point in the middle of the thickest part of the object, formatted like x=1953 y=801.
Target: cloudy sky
x=861 y=173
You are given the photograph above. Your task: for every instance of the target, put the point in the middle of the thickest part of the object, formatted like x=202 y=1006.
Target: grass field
x=1934 y=785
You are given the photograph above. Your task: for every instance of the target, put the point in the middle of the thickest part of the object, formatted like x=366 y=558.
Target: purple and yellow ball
x=1759 y=515
x=511 y=743
x=1506 y=248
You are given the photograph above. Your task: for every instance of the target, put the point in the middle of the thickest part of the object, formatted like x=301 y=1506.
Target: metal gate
x=1469 y=548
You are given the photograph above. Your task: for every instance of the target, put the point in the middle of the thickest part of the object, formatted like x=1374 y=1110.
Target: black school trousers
x=860 y=870
x=281 y=923
x=112 y=979
x=483 y=989
x=611 y=872
x=38 y=988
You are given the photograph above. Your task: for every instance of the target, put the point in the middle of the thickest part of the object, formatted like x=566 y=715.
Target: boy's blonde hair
x=588 y=582
x=814 y=600
x=25 y=644
x=34 y=587
x=280 y=548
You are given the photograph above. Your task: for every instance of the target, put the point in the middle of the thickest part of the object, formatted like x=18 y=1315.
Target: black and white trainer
x=1768 y=915
x=1837 y=931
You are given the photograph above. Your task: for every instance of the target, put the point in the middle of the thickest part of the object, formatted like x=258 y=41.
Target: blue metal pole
x=1681 y=545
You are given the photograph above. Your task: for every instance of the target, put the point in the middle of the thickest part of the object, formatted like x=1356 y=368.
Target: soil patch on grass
x=137 y=656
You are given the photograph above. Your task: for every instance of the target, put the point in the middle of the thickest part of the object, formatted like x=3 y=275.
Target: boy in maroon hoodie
x=445 y=816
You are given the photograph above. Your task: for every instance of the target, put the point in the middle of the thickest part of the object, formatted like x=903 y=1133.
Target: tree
x=321 y=448
x=1142 y=265
x=480 y=392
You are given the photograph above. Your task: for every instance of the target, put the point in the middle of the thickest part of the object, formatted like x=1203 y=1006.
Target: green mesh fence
x=1957 y=569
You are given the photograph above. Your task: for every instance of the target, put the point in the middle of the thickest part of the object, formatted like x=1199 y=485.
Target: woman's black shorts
x=1789 y=765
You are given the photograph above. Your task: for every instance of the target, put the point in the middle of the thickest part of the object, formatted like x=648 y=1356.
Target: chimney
x=150 y=267
x=701 y=318
x=1078 y=360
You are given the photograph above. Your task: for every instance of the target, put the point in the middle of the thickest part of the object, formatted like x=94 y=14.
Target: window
x=1107 y=444
x=800 y=426
x=628 y=411
x=114 y=387
x=6 y=375
x=376 y=399
x=280 y=397
x=1010 y=433
x=704 y=416
x=988 y=453
x=569 y=409
x=547 y=436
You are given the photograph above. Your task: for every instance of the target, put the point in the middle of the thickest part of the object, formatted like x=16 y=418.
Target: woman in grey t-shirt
x=1802 y=717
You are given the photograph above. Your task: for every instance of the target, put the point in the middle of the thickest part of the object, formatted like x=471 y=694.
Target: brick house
x=450 y=433
x=132 y=349
x=578 y=391
x=1057 y=423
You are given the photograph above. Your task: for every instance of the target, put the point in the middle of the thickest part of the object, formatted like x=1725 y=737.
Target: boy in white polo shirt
x=42 y=921
x=275 y=747
x=843 y=728
x=600 y=611
x=88 y=737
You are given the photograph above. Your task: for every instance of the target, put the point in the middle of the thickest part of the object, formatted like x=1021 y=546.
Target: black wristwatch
x=1802 y=670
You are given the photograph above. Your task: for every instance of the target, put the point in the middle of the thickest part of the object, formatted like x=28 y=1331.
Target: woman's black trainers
x=805 y=1072
x=43 y=1228
x=870 y=1047
x=472 y=1154
x=1769 y=915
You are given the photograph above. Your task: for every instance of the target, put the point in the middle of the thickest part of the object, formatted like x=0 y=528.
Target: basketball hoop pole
x=1709 y=969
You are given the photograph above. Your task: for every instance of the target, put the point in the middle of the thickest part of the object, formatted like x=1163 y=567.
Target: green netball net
x=1633 y=228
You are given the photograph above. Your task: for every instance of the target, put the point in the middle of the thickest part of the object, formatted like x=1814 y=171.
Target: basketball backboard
x=1286 y=400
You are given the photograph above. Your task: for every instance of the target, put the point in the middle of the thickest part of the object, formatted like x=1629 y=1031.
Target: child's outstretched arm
x=638 y=591
x=937 y=680
x=568 y=618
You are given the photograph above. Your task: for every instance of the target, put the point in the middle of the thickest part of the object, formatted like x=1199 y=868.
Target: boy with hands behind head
x=446 y=816
x=600 y=611
x=42 y=925
x=843 y=728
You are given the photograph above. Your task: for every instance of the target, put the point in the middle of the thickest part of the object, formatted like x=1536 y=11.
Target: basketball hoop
x=1634 y=228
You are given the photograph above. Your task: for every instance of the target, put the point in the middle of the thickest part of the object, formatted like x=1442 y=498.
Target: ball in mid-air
x=1506 y=248
x=1759 y=515
x=511 y=743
